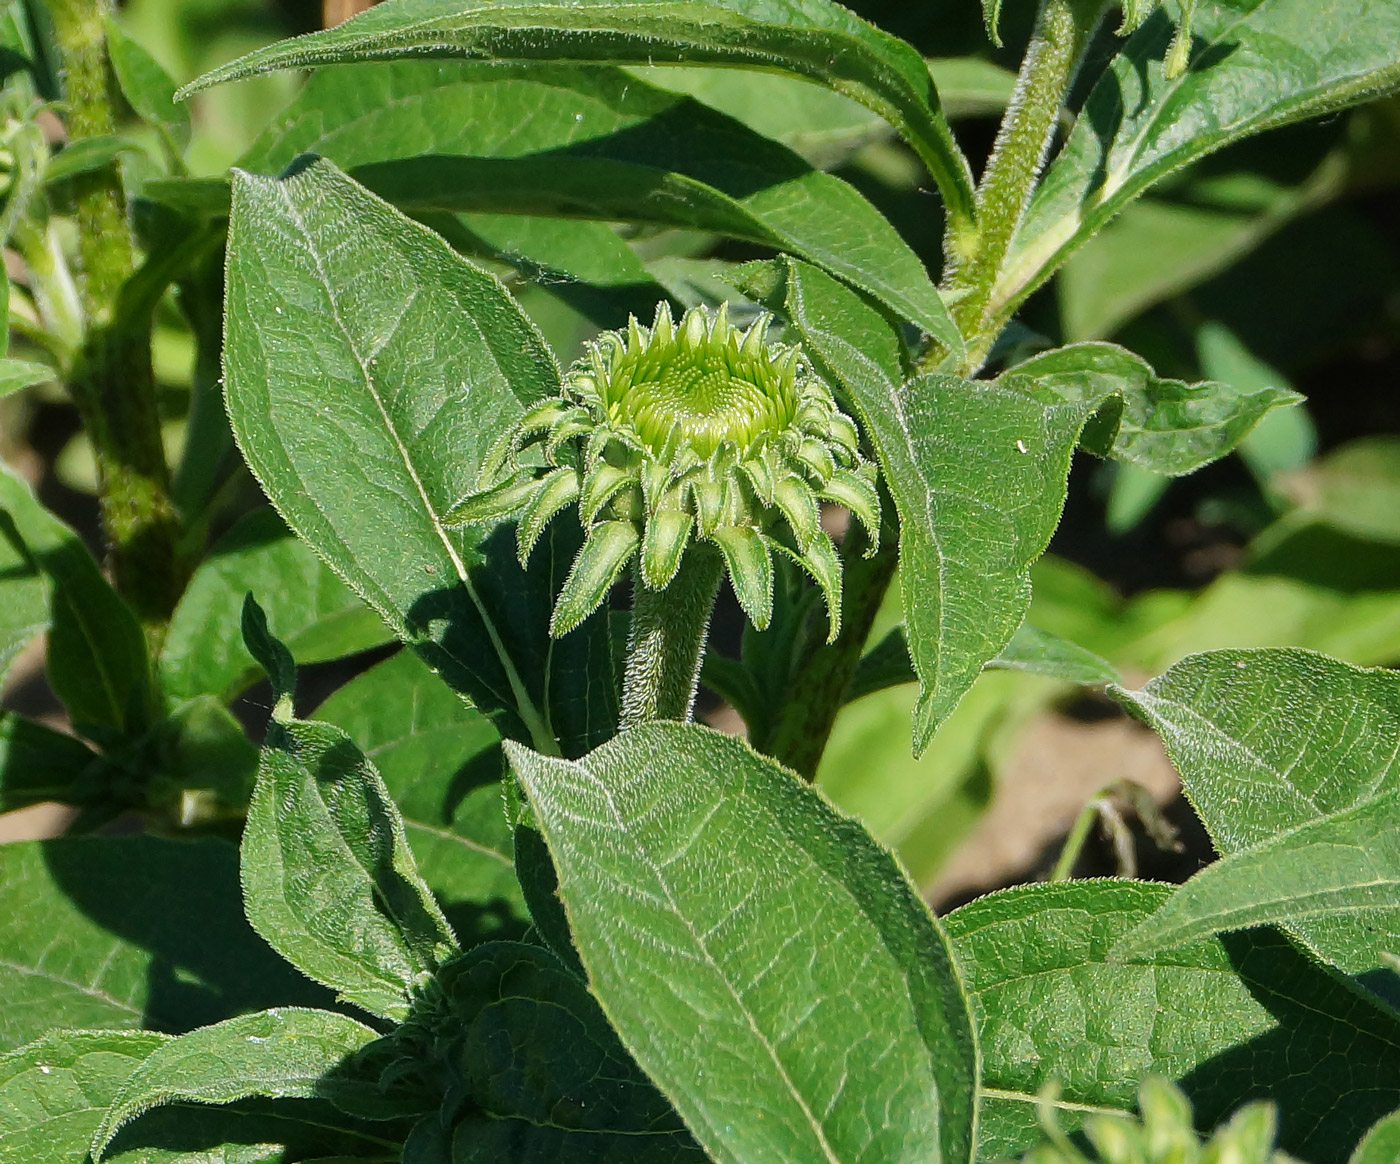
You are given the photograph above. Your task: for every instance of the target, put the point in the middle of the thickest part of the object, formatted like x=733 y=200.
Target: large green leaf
x=815 y=39
x=759 y=954
x=93 y=935
x=589 y=142
x=441 y=761
x=54 y=1092
x=1244 y=1017
x=368 y=371
x=546 y=1074
x=317 y=616
x=1342 y=865
x=1255 y=64
x=328 y=877
x=96 y=650
x=277 y=1054
x=1267 y=741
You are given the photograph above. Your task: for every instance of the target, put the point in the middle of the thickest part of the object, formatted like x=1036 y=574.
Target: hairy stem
x=822 y=676
x=112 y=382
x=1062 y=32
x=666 y=642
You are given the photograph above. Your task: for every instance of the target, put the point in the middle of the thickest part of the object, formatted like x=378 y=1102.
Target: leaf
x=677 y=848
x=1167 y=426
x=18 y=374
x=148 y=88
x=340 y=308
x=1343 y=865
x=1268 y=741
x=278 y=1054
x=977 y=471
x=593 y=143
x=24 y=592
x=328 y=878
x=1354 y=488
x=54 y=1092
x=545 y=1071
x=97 y=652
x=1381 y=1144
x=86 y=155
x=440 y=759
x=1231 y=1019
x=815 y=39
x=1039 y=652
x=315 y=614
x=38 y=763
x=92 y=936
x=1256 y=64
x=972 y=86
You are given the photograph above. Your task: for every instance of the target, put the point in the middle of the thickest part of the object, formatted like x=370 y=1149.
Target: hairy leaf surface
x=677 y=848
x=1243 y=1017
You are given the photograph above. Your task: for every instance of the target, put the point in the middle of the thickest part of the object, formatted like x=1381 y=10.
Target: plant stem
x=666 y=642
x=112 y=382
x=1062 y=32
x=804 y=724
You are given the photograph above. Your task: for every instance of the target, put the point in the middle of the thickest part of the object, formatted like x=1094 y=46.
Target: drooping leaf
x=93 y=936
x=1167 y=426
x=328 y=878
x=440 y=759
x=1256 y=64
x=369 y=370
x=815 y=39
x=147 y=87
x=546 y=1073
x=977 y=471
x=1341 y=866
x=38 y=763
x=85 y=155
x=97 y=652
x=1382 y=1143
x=1233 y=1019
x=276 y=1054
x=589 y=142
x=53 y=1092
x=1267 y=741
x=315 y=614
x=676 y=849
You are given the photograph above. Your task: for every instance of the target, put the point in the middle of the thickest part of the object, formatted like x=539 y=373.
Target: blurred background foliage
x=1272 y=262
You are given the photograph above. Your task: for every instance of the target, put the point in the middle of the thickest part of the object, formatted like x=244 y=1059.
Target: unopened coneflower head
x=677 y=434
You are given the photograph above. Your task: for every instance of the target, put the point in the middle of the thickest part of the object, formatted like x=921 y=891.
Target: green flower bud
x=676 y=434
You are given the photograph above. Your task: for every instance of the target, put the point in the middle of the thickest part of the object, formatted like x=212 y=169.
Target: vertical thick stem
x=667 y=640
x=111 y=381
x=1061 y=34
x=804 y=725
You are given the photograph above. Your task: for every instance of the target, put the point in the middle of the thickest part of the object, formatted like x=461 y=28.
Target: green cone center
x=711 y=395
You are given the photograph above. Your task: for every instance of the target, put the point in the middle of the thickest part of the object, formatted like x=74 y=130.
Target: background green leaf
x=315 y=613
x=1354 y=488
x=815 y=39
x=92 y=936
x=97 y=652
x=341 y=310
x=676 y=848
x=1244 y=1017
x=148 y=88
x=38 y=763
x=441 y=761
x=277 y=1054
x=1341 y=865
x=54 y=1092
x=1255 y=64
x=1267 y=741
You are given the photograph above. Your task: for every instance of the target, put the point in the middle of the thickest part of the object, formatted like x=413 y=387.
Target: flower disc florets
x=677 y=434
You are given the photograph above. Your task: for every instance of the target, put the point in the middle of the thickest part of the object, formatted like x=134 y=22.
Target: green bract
x=696 y=432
